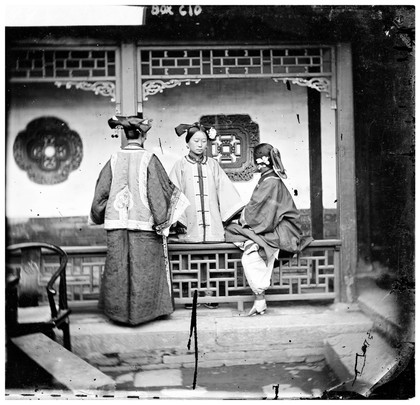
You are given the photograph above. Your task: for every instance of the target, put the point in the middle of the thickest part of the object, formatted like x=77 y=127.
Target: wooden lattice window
x=36 y=64
x=220 y=61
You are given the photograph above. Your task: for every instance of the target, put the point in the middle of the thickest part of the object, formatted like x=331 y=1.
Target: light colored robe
x=213 y=198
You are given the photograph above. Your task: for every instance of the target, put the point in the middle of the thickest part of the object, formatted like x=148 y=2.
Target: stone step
x=284 y=334
x=365 y=360
x=64 y=366
x=392 y=312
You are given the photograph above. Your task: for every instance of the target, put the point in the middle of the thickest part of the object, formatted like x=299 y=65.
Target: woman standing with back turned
x=137 y=203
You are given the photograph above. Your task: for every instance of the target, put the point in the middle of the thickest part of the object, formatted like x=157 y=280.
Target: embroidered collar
x=202 y=159
x=133 y=145
x=267 y=173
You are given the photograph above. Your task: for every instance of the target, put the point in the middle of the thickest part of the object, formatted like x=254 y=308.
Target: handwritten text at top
x=171 y=10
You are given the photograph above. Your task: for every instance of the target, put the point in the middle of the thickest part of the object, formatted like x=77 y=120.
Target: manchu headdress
x=190 y=129
x=268 y=156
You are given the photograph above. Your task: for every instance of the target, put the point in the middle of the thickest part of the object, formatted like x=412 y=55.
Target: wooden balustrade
x=311 y=275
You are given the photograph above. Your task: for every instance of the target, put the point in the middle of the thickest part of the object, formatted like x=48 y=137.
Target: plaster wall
x=280 y=113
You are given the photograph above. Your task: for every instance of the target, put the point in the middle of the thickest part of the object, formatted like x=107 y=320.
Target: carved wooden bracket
x=106 y=89
x=321 y=84
x=152 y=87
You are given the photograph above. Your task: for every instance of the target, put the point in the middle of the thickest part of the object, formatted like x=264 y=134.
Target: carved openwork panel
x=311 y=275
x=309 y=272
x=39 y=64
x=83 y=279
x=233 y=147
x=220 y=272
x=48 y=150
x=235 y=62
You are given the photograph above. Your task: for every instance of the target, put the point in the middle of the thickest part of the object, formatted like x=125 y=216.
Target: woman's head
x=262 y=155
x=196 y=136
x=197 y=141
x=267 y=157
x=132 y=133
x=134 y=127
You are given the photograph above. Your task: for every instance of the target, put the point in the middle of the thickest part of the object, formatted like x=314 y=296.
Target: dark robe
x=270 y=219
x=137 y=203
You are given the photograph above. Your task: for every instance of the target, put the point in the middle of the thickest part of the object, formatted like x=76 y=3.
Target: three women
x=138 y=202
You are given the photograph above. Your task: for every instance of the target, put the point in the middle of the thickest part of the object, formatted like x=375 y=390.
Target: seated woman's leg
x=258 y=275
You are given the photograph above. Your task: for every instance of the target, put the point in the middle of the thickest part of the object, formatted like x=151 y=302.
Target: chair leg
x=51 y=334
x=66 y=334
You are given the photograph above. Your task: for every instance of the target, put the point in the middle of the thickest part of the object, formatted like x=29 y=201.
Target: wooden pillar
x=315 y=163
x=346 y=176
x=128 y=82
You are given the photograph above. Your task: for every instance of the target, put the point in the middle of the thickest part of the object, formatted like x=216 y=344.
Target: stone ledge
x=374 y=362
x=391 y=312
x=64 y=366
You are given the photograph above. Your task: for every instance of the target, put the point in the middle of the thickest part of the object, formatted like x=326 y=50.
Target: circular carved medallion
x=48 y=150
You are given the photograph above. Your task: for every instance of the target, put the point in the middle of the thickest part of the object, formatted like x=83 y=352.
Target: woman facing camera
x=214 y=200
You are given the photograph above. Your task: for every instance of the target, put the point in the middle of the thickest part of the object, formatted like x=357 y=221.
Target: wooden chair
x=26 y=281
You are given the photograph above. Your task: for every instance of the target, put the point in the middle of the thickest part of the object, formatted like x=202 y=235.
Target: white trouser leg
x=257 y=273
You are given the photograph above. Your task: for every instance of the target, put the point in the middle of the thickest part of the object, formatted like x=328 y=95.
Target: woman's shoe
x=259 y=308
x=211 y=305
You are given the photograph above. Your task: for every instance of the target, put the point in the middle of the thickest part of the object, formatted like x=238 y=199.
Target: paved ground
x=263 y=381
x=288 y=331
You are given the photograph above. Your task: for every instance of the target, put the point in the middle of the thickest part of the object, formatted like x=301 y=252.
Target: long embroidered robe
x=137 y=203
x=213 y=197
x=270 y=219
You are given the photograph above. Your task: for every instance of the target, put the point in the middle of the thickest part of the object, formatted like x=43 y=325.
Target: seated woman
x=269 y=227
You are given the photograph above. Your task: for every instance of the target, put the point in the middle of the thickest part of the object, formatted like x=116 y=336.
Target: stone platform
x=353 y=340
x=287 y=332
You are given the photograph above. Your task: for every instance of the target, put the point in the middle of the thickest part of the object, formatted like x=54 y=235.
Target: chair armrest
x=51 y=292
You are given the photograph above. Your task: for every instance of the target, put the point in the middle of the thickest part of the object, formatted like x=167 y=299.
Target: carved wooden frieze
x=233 y=147
x=48 y=150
